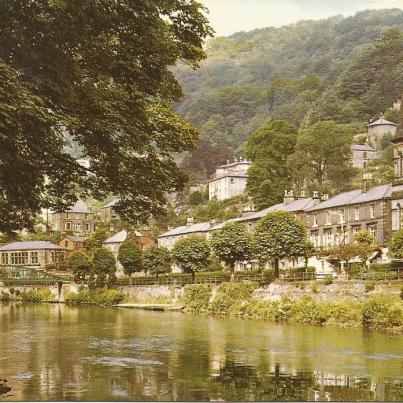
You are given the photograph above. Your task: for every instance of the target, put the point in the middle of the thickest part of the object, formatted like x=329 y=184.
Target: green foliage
x=262 y=277
x=79 y=263
x=397 y=244
x=5 y=296
x=364 y=238
x=196 y=198
x=322 y=156
x=381 y=312
x=157 y=260
x=328 y=280
x=196 y=297
x=107 y=88
x=191 y=253
x=232 y=243
x=298 y=273
x=295 y=73
x=370 y=286
x=269 y=148
x=36 y=295
x=96 y=239
x=104 y=266
x=96 y=297
x=279 y=235
x=230 y=296
x=130 y=257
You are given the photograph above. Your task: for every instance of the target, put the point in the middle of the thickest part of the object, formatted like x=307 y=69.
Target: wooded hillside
x=344 y=69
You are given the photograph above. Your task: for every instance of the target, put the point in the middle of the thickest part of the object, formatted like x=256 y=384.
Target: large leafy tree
x=95 y=73
x=279 y=235
x=157 y=260
x=192 y=253
x=130 y=257
x=322 y=156
x=79 y=263
x=397 y=244
x=268 y=148
x=232 y=243
x=104 y=267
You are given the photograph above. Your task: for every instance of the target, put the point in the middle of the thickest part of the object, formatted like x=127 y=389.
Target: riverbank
x=344 y=304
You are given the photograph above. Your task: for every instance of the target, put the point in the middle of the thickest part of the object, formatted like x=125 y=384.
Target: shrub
x=369 y=287
x=298 y=273
x=382 y=311
x=196 y=297
x=36 y=295
x=230 y=296
x=260 y=276
x=328 y=280
x=97 y=297
x=5 y=296
x=380 y=266
x=216 y=275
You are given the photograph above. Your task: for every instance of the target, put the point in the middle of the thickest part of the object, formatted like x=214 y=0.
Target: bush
x=5 y=296
x=259 y=276
x=97 y=297
x=230 y=296
x=196 y=297
x=380 y=267
x=328 y=280
x=219 y=276
x=298 y=273
x=36 y=295
x=381 y=312
x=369 y=287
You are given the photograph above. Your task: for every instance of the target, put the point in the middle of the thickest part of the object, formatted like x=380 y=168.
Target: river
x=57 y=352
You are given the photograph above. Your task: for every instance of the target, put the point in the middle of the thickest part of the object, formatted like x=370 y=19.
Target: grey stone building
x=362 y=155
x=78 y=219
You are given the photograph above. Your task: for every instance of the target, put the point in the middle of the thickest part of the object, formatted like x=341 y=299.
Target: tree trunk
x=276 y=268
x=130 y=280
x=193 y=276
x=232 y=269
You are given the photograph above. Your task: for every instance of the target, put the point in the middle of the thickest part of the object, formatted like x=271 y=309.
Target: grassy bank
x=95 y=297
x=377 y=312
x=41 y=295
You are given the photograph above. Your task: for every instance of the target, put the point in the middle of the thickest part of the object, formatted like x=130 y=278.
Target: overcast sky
x=229 y=16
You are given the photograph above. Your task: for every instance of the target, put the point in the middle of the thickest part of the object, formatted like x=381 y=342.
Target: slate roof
x=111 y=203
x=361 y=147
x=233 y=174
x=79 y=207
x=188 y=229
x=29 y=245
x=355 y=196
x=381 y=121
x=117 y=238
x=76 y=238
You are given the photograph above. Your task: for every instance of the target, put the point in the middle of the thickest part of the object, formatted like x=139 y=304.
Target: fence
x=22 y=275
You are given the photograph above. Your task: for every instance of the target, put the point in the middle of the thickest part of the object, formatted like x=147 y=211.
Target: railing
x=22 y=275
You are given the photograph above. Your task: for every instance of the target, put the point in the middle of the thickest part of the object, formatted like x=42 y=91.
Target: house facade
x=229 y=180
x=35 y=254
x=72 y=242
x=362 y=155
x=379 y=128
x=78 y=219
x=108 y=213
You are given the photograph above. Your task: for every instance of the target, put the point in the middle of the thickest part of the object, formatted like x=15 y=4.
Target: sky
x=229 y=16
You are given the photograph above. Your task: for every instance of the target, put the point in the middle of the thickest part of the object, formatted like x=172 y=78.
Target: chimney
x=302 y=195
x=367 y=182
x=325 y=196
x=288 y=197
x=189 y=221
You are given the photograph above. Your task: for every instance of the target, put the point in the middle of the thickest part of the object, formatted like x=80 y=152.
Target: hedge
x=298 y=273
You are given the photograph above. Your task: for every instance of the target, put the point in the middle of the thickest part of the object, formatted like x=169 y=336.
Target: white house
x=362 y=155
x=379 y=128
x=229 y=180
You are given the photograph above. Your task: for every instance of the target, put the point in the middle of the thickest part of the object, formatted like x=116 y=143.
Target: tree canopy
x=96 y=73
x=232 y=243
x=269 y=148
x=157 y=260
x=279 y=235
x=130 y=257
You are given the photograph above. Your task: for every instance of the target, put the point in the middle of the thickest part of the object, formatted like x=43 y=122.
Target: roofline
x=382 y=124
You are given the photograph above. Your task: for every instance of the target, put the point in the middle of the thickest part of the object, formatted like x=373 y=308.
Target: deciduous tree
x=79 y=263
x=232 y=243
x=130 y=257
x=277 y=236
x=104 y=265
x=97 y=74
x=157 y=260
x=192 y=253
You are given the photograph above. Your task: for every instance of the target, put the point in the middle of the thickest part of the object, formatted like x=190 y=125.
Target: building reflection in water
x=54 y=352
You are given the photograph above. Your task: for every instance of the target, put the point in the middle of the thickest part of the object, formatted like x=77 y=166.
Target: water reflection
x=55 y=352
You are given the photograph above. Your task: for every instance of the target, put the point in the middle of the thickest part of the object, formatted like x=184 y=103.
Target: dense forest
x=341 y=69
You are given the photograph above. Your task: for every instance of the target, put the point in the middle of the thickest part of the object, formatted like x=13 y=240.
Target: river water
x=57 y=352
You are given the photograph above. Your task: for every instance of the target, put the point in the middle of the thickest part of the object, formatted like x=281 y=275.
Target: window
x=341 y=216
x=67 y=215
x=364 y=155
x=372 y=230
x=67 y=226
x=327 y=234
x=18 y=258
x=315 y=239
x=372 y=211
x=66 y=243
x=356 y=213
x=34 y=258
x=328 y=218
x=315 y=220
x=78 y=226
x=364 y=164
x=231 y=180
x=396 y=217
x=56 y=256
x=4 y=258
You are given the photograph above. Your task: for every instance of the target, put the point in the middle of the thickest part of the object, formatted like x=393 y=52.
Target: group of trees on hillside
x=316 y=158
x=341 y=69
